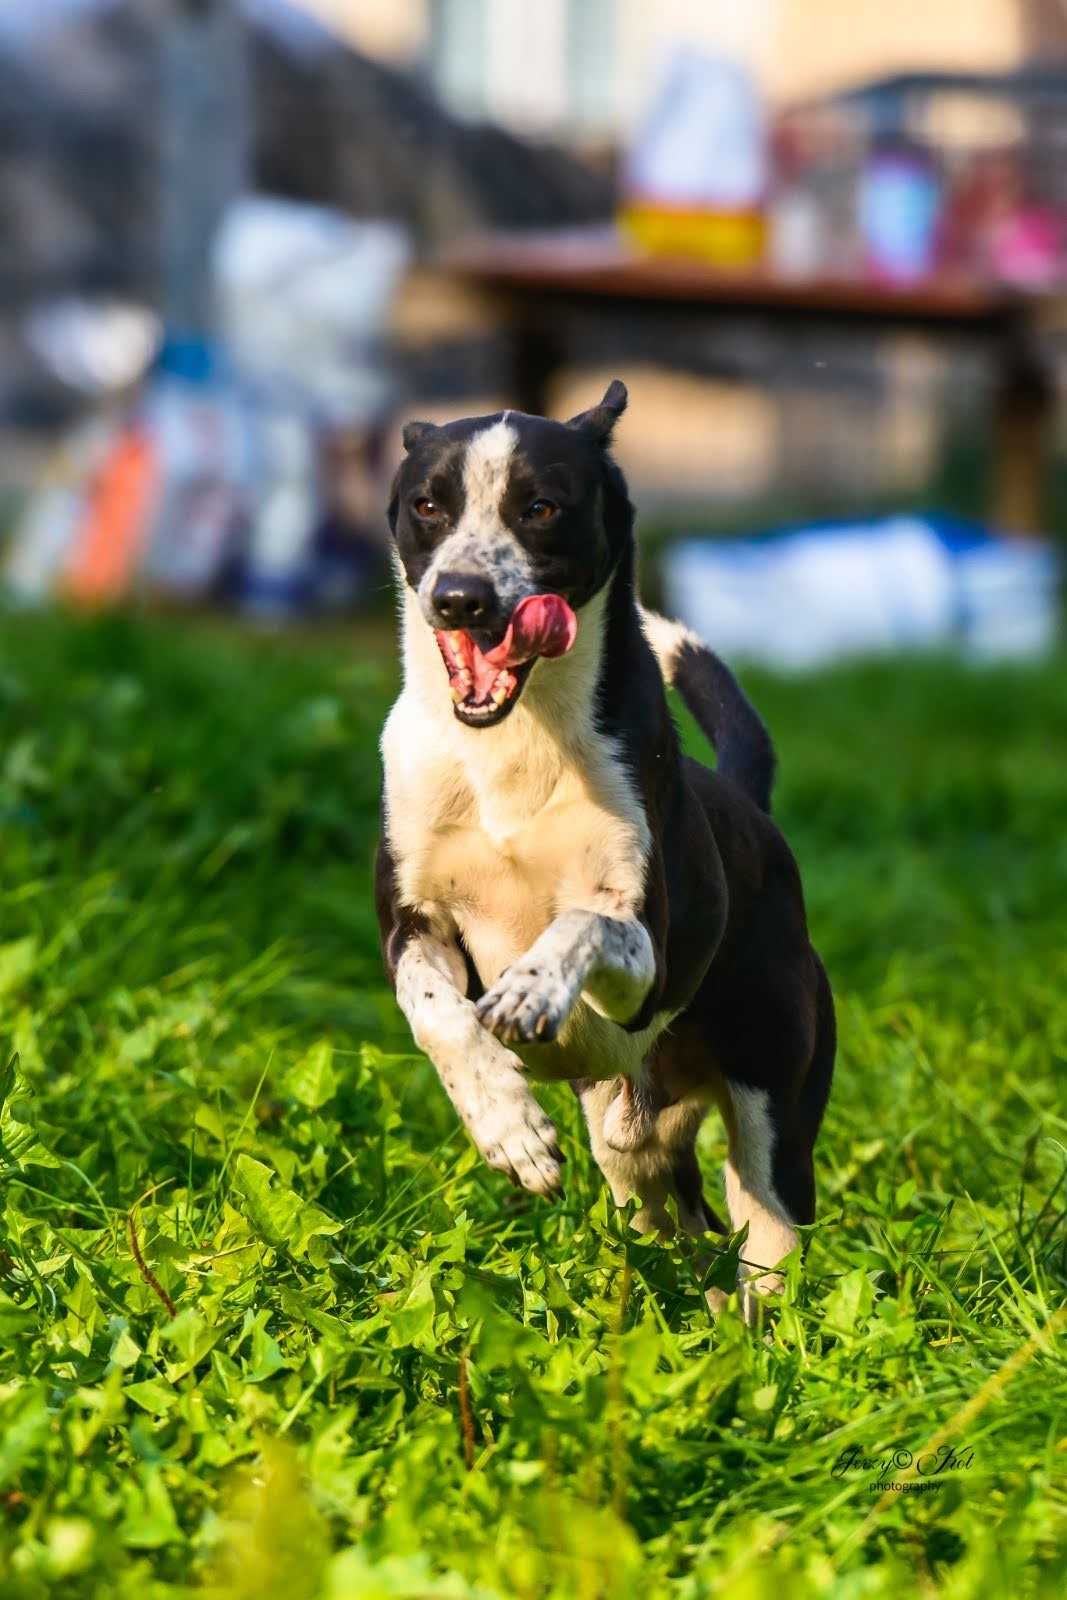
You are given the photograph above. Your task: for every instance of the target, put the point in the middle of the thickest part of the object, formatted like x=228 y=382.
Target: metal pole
x=204 y=153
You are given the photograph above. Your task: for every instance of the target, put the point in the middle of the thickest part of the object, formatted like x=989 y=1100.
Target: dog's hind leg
x=662 y=1168
x=770 y=1178
x=755 y=1125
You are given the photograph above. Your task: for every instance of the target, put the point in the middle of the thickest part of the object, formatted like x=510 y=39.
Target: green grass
x=207 y=1053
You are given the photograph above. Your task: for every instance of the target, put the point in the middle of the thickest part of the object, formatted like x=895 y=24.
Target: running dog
x=562 y=894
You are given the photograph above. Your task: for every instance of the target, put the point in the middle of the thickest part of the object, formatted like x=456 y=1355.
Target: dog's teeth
x=502 y=686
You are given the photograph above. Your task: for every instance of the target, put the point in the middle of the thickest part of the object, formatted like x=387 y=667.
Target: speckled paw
x=527 y=1005
x=520 y=1141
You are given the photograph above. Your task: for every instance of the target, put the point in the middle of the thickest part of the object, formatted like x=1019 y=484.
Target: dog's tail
x=712 y=694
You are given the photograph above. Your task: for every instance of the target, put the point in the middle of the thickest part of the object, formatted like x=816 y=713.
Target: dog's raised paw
x=527 y=1004
x=520 y=1141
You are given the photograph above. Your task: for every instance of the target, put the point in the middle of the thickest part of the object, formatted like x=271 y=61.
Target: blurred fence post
x=204 y=153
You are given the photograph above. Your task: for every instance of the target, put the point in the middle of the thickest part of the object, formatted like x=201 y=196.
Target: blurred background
x=823 y=241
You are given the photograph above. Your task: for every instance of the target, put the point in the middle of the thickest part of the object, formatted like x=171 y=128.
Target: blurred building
x=449 y=117
x=585 y=67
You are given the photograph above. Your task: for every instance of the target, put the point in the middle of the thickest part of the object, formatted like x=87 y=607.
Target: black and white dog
x=562 y=894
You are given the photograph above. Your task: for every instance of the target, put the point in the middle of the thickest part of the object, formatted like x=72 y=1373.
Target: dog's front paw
x=518 y=1139
x=528 y=1004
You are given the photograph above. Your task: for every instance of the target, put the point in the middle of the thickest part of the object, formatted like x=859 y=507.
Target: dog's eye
x=541 y=511
x=425 y=508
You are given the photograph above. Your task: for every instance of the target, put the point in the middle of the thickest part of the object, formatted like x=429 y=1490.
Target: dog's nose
x=464 y=600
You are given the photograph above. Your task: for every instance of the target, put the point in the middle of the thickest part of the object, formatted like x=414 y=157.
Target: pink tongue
x=541 y=625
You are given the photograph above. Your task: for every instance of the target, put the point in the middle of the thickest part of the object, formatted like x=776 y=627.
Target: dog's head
x=506 y=526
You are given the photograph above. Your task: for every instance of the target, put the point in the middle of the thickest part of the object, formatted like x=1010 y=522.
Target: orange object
x=110 y=543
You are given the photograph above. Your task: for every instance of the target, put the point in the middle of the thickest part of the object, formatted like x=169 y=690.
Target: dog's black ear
x=599 y=423
x=393 y=508
x=416 y=433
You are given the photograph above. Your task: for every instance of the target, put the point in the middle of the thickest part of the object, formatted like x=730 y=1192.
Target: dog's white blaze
x=750 y=1192
x=481 y=541
x=486 y=465
x=667 y=639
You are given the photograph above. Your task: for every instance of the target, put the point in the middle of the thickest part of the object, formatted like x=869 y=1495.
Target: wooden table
x=539 y=279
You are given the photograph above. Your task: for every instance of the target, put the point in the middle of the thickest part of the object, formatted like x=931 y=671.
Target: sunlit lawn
x=386 y=1374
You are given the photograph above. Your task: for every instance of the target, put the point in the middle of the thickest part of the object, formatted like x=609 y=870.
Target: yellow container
x=721 y=238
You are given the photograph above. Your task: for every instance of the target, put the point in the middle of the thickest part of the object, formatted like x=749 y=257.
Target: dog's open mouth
x=486 y=685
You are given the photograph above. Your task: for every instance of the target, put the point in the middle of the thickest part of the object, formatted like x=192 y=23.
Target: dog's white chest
x=498 y=894
x=500 y=875
x=501 y=895
x=497 y=834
